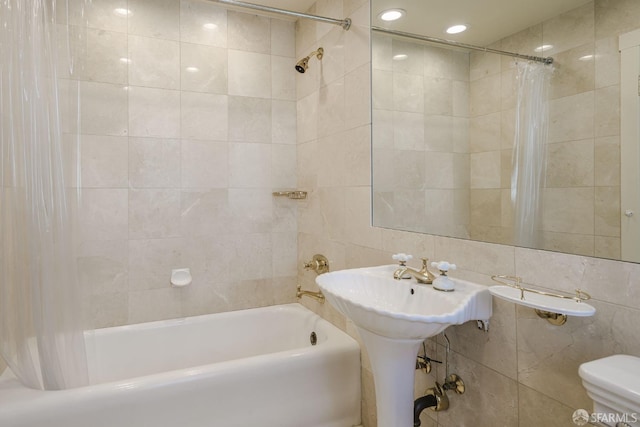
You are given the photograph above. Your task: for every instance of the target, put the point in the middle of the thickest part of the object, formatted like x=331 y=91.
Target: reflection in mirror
x=444 y=124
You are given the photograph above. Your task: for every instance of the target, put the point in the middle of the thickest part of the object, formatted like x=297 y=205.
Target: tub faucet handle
x=319 y=264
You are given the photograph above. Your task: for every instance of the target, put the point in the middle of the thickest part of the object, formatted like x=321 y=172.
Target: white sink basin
x=402 y=309
x=393 y=317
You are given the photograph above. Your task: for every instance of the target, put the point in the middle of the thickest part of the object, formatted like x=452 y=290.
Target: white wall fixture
x=181 y=277
x=550 y=306
x=393 y=318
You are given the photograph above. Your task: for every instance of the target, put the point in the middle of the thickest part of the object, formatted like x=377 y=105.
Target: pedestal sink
x=393 y=317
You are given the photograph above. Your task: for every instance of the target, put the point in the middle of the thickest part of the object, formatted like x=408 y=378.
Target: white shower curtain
x=528 y=160
x=41 y=338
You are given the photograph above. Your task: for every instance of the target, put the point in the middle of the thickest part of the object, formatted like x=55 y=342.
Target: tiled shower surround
x=187 y=124
x=178 y=169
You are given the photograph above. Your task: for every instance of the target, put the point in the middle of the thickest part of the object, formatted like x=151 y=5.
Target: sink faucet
x=422 y=276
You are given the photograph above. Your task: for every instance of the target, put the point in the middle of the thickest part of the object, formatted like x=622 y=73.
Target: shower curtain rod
x=547 y=60
x=344 y=23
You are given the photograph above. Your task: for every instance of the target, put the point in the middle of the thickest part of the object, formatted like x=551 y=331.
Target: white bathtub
x=245 y=368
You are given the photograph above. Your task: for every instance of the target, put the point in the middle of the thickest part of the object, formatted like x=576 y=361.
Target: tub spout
x=420 y=404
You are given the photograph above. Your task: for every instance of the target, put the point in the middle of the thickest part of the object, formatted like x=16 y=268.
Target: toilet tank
x=613 y=383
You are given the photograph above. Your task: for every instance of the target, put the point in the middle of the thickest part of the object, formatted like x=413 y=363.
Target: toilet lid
x=619 y=374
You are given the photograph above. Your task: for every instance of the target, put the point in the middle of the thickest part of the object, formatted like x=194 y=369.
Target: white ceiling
x=488 y=20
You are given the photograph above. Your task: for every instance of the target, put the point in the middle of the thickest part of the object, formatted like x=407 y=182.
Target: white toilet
x=613 y=383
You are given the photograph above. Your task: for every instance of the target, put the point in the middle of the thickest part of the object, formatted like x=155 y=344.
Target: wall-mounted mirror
x=445 y=120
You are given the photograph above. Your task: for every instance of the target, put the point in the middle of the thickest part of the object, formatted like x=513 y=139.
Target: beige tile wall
x=421 y=161
x=188 y=123
x=581 y=202
x=523 y=372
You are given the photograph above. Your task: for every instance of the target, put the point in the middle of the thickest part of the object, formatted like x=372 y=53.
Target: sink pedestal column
x=393 y=362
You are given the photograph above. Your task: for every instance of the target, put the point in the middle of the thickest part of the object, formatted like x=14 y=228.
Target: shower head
x=303 y=64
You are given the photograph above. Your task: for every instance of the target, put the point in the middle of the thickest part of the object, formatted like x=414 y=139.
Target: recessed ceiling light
x=586 y=58
x=544 y=48
x=400 y=57
x=122 y=11
x=125 y=60
x=455 y=29
x=209 y=26
x=391 y=14
x=192 y=69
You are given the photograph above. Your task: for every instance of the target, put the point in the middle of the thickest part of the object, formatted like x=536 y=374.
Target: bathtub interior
x=194 y=370
x=124 y=352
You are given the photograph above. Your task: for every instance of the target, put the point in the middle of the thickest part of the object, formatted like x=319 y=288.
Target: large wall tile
x=535 y=409
x=154 y=112
x=247 y=165
x=105 y=57
x=251 y=33
x=103 y=266
x=283 y=122
x=569 y=210
x=577 y=72
x=104 y=161
x=570 y=29
x=570 y=164
x=283 y=79
x=155 y=18
x=154 y=213
x=108 y=15
x=151 y=262
x=103 y=109
x=571 y=117
x=205 y=213
x=490 y=398
x=615 y=17
x=283 y=42
x=204 y=164
x=496 y=348
x=249 y=119
x=249 y=74
x=154 y=304
x=203 y=68
x=154 y=163
x=204 y=116
x=103 y=214
x=203 y=23
x=154 y=62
